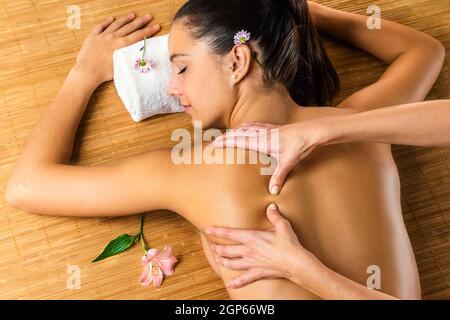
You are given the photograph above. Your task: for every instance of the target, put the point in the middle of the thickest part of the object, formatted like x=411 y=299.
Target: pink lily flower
x=156 y=266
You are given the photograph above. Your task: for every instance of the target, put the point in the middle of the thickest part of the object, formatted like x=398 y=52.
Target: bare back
x=343 y=202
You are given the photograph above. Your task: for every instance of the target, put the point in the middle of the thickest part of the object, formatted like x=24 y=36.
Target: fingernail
x=275 y=190
x=273 y=206
x=131 y=15
x=147 y=16
x=207 y=231
x=157 y=26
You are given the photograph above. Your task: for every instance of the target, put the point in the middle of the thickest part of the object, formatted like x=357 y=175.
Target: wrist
x=82 y=72
x=305 y=268
x=331 y=131
x=322 y=131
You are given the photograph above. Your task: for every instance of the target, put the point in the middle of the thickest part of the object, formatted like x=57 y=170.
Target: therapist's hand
x=288 y=144
x=96 y=54
x=264 y=254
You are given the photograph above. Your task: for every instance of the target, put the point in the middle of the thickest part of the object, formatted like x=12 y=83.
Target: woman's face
x=199 y=79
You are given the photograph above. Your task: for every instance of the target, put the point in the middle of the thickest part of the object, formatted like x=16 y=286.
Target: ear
x=240 y=62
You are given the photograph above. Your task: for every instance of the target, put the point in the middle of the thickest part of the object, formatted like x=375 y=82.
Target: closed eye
x=183 y=70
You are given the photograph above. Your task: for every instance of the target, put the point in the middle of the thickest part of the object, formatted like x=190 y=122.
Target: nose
x=173 y=89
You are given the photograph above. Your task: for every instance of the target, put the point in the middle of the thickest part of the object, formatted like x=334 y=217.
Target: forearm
x=330 y=285
x=423 y=124
x=51 y=140
x=386 y=43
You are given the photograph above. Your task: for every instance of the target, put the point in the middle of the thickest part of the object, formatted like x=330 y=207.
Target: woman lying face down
x=343 y=201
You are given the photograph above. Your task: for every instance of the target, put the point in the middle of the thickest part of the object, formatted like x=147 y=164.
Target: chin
x=205 y=124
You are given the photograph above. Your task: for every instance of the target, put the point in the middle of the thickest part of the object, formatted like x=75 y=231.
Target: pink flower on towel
x=143 y=65
x=157 y=265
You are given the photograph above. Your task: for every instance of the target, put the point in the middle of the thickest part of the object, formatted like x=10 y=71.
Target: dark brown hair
x=292 y=52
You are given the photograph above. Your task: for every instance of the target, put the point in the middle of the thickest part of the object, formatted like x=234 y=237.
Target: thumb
x=273 y=214
x=277 y=180
x=280 y=224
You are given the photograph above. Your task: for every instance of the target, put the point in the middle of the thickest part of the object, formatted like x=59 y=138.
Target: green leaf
x=116 y=246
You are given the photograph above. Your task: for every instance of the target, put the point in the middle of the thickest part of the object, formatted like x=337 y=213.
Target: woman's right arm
x=415 y=59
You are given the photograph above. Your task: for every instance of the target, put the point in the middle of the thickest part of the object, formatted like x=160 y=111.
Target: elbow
x=434 y=48
x=438 y=48
x=17 y=194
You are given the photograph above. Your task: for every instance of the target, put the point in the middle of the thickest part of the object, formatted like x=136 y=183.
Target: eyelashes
x=183 y=70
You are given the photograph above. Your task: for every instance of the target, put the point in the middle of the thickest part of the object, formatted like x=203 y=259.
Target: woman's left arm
x=279 y=254
x=50 y=143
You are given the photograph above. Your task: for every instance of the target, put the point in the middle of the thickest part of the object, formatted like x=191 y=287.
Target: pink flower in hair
x=241 y=37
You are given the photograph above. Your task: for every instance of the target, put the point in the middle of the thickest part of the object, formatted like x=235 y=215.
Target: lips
x=187 y=107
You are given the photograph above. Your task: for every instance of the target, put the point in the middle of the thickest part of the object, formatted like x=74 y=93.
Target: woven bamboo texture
x=37 y=50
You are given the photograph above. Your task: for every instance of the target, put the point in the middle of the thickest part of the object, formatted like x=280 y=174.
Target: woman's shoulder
x=311 y=113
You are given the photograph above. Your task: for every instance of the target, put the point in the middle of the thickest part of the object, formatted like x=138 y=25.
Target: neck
x=270 y=106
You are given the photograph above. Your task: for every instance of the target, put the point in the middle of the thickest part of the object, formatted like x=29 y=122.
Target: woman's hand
x=264 y=254
x=96 y=53
x=289 y=144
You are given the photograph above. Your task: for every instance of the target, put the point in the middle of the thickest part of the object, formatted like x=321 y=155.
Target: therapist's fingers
x=281 y=225
x=230 y=251
x=234 y=264
x=246 y=278
x=277 y=180
x=237 y=138
x=262 y=125
x=241 y=141
x=279 y=176
x=239 y=235
x=263 y=136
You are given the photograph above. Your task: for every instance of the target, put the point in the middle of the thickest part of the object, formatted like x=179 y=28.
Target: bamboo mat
x=37 y=51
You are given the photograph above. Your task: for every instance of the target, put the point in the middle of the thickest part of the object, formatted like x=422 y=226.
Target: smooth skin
x=424 y=124
x=344 y=203
x=279 y=254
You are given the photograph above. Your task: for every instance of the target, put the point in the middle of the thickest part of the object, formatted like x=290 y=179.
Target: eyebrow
x=177 y=55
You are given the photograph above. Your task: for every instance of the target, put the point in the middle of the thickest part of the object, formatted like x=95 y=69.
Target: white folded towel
x=145 y=94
